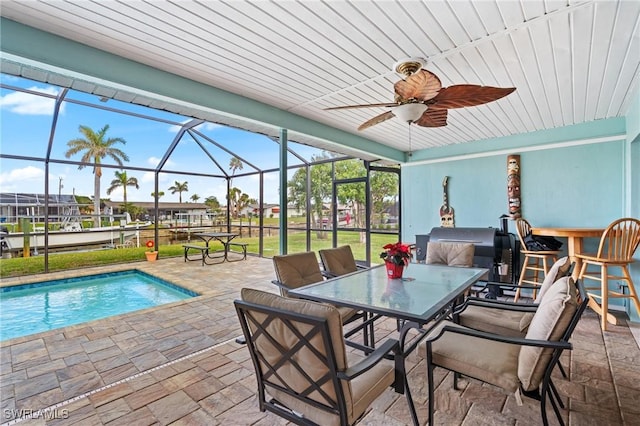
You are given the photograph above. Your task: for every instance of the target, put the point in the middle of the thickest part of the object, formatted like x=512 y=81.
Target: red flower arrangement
x=398 y=253
x=150 y=245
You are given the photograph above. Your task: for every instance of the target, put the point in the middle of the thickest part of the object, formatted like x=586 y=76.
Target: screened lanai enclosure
x=149 y=174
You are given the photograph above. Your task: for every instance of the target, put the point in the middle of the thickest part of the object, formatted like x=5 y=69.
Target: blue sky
x=25 y=126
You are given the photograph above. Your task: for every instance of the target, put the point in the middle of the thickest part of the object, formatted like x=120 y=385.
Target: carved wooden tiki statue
x=513 y=186
x=446 y=211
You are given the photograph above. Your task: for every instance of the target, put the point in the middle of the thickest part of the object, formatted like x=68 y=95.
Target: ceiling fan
x=420 y=98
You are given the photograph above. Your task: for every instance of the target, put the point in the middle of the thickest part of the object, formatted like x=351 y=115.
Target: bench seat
x=203 y=252
x=243 y=247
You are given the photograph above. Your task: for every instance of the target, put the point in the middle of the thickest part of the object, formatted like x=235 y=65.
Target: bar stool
x=536 y=263
x=617 y=246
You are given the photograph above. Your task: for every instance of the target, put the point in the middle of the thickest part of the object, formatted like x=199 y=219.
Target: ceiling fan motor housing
x=409 y=66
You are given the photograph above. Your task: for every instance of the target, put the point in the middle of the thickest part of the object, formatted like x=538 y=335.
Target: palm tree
x=160 y=194
x=212 y=202
x=234 y=197
x=195 y=197
x=122 y=180
x=234 y=164
x=95 y=146
x=243 y=201
x=179 y=188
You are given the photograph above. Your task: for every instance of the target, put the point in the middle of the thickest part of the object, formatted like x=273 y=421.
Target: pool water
x=36 y=307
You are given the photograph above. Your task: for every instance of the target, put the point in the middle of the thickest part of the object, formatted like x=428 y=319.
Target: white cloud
x=209 y=126
x=117 y=194
x=154 y=161
x=27 y=104
x=204 y=126
x=29 y=173
x=174 y=129
x=150 y=177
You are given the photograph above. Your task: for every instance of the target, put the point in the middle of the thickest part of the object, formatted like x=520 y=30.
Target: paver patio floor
x=178 y=364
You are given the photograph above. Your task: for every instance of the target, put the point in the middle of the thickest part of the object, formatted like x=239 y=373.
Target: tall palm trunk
x=96 y=198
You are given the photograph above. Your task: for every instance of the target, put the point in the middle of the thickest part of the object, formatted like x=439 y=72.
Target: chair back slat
x=620 y=240
x=523 y=228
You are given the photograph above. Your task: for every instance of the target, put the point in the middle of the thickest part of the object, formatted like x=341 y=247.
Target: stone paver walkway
x=179 y=364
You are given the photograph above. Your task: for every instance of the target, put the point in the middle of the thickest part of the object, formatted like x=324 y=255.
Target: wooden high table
x=574 y=238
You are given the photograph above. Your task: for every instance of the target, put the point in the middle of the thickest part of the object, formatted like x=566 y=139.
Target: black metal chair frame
x=508 y=305
x=497 y=288
x=547 y=384
x=319 y=326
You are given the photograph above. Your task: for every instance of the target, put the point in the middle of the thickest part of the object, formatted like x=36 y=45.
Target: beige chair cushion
x=322 y=310
x=339 y=260
x=494 y=320
x=559 y=269
x=359 y=392
x=451 y=254
x=549 y=323
x=492 y=362
x=298 y=269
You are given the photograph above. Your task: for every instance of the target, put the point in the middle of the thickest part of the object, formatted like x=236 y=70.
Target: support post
x=283 y=191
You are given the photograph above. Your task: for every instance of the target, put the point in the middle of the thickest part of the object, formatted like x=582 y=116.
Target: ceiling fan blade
x=377 y=120
x=433 y=118
x=422 y=86
x=386 y=105
x=467 y=95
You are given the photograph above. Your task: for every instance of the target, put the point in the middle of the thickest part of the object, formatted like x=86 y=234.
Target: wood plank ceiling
x=571 y=61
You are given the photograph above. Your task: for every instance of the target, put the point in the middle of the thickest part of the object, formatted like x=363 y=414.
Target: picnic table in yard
x=225 y=238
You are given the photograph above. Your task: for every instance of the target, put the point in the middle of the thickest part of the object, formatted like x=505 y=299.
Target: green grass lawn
x=296 y=243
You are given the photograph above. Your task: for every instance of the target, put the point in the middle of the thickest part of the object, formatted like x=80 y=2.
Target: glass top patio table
x=423 y=292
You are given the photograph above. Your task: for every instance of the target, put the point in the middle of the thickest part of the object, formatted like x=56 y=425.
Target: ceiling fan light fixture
x=409 y=112
x=409 y=66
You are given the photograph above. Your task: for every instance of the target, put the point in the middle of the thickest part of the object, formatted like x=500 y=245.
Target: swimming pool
x=36 y=307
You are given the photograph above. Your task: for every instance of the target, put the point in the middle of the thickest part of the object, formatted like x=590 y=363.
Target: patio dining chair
x=521 y=366
x=304 y=372
x=506 y=317
x=509 y=318
x=338 y=261
x=296 y=270
x=299 y=269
